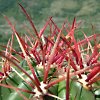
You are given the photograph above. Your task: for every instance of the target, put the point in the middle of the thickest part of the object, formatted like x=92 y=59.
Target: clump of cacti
x=54 y=66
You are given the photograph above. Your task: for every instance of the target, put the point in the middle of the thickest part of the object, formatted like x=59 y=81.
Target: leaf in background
x=77 y=92
x=15 y=96
x=62 y=90
x=4 y=92
x=53 y=90
x=12 y=94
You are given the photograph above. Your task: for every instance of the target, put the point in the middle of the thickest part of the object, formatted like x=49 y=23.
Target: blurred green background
x=88 y=11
